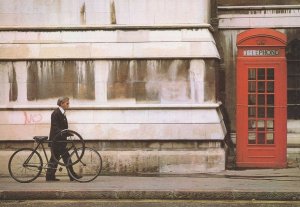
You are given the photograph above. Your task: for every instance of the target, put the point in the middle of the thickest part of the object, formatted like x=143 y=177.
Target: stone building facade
x=141 y=76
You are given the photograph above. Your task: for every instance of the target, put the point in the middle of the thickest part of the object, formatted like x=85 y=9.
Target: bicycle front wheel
x=89 y=166
x=25 y=165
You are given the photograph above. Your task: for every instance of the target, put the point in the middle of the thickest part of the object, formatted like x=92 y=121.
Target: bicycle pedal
x=60 y=169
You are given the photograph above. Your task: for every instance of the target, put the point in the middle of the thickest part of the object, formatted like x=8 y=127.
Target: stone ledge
x=145 y=161
x=126 y=145
x=32 y=106
x=105 y=27
x=114 y=50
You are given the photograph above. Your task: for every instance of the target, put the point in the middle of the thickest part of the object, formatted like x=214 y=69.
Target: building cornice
x=115 y=107
x=260 y=7
x=106 y=27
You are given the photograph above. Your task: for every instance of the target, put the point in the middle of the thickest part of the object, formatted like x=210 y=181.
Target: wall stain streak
x=113 y=19
x=13 y=89
x=82 y=15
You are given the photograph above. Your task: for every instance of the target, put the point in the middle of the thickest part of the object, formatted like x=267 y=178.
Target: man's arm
x=56 y=124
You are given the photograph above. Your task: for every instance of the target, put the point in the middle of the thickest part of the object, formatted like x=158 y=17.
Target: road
x=147 y=203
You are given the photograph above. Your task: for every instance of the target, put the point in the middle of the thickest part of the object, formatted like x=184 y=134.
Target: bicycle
x=26 y=164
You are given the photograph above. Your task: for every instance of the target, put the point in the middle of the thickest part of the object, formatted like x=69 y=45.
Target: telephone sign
x=261 y=52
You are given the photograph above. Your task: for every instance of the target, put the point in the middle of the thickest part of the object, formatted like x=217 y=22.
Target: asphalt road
x=147 y=203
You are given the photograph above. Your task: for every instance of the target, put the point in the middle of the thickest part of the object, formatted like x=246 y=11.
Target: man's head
x=63 y=102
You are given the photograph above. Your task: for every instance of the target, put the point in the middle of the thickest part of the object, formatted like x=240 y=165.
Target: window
x=261 y=106
x=293 y=79
x=49 y=79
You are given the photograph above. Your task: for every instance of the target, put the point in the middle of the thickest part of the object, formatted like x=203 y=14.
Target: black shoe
x=52 y=179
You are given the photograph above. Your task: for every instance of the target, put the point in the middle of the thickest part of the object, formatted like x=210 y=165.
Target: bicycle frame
x=35 y=150
x=46 y=166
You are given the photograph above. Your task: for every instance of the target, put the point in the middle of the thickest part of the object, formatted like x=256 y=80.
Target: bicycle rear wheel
x=25 y=165
x=89 y=166
x=69 y=141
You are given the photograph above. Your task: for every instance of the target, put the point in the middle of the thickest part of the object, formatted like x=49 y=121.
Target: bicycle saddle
x=40 y=138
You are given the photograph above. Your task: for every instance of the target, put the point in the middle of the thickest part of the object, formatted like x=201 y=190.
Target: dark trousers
x=52 y=165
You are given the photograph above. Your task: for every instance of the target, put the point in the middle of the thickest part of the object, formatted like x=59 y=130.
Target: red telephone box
x=261 y=115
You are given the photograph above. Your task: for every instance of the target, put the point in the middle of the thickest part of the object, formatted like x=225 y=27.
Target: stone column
x=101 y=71
x=4 y=83
x=197 y=71
x=21 y=73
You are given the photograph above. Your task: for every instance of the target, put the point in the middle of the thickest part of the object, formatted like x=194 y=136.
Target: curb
x=139 y=195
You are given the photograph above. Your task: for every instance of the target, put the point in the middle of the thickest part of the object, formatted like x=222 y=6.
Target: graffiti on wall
x=32 y=118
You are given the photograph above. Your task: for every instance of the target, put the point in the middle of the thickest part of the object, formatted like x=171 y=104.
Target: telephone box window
x=261 y=112
x=261 y=99
x=252 y=74
x=251 y=86
x=270 y=112
x=251 y=99
x=264 y=105
x=270 y=124
x=261 y=74
x=251 y=124
x=261 y=86
x=270 y=100
x=270 y=87
x=252 y=111
x=252 y=138
x=270 y=138
x=270 y=74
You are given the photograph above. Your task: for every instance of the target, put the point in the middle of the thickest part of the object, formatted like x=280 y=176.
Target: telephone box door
x=261 y=99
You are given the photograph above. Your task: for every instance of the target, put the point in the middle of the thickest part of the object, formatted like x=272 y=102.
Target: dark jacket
x=59 y=122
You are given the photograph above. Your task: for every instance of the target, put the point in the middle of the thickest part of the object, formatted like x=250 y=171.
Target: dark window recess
x=149 y=80
x=50 y=79
x=293 y=79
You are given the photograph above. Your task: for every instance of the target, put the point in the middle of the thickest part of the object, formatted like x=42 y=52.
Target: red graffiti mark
x=32 y=118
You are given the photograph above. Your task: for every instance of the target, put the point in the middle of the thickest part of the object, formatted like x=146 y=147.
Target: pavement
x=255 y=184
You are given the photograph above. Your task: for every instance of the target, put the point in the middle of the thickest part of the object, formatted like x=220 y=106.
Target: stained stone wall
x=103 y=12
x=136 y=71
x=110 y=97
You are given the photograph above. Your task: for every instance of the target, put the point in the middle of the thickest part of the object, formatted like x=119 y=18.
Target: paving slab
x=263 y=184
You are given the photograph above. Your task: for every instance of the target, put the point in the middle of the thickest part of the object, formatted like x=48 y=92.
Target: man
x=59 y=122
